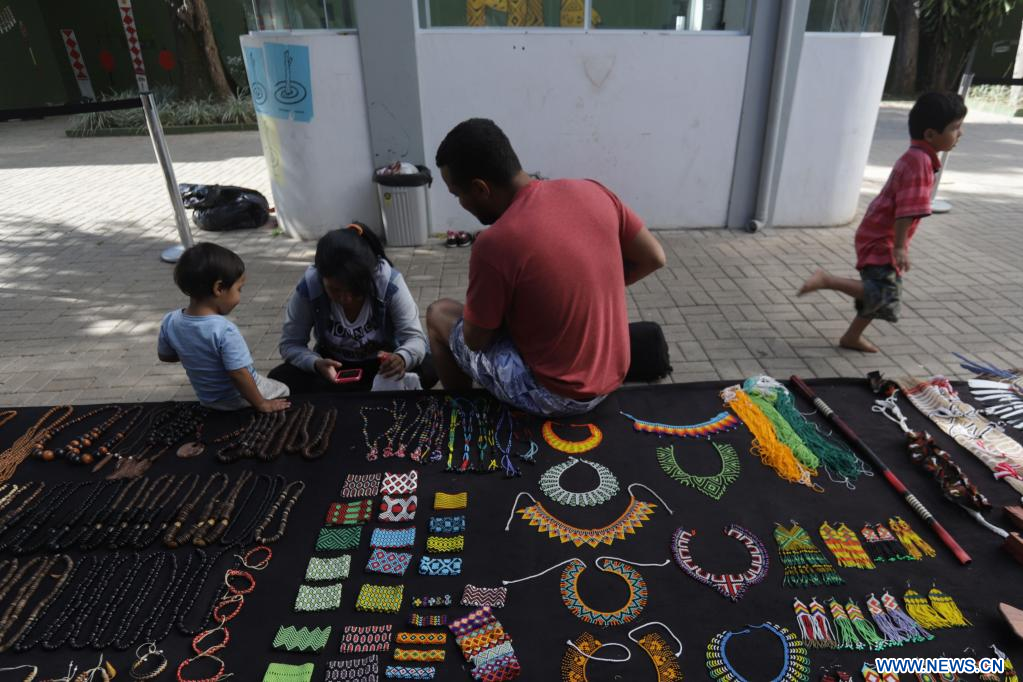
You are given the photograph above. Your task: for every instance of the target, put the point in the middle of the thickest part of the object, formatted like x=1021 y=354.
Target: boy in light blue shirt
x=207 y=344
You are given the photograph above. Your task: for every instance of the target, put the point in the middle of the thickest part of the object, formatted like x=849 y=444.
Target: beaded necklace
x=795 y=668
x=510 y=469
x=607 y=487
x=245 y=531
x=285 y=501
x=723 y=421
x=732 y=585
x=35 y=438
x=574 y=447
x=713 y=486
x=23 y=596
x=7 y=415
x=319 y=443
x=583 y=650
x=636 y=512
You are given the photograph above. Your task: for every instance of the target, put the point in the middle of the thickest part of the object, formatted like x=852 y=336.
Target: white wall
x=323 y=178
x=838 y=92
x=653 y=116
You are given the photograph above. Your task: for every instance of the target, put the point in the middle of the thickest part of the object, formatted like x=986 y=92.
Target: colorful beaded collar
x=572 y=446
x=607 y=487
x=636 y=512
x=731 y=585
x=713 y=486
x=795 y=668
x=583 y=650
x=724 y=421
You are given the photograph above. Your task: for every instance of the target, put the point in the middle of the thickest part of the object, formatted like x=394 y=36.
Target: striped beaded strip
x=437 y=544
x=422 y=638
x=419 y=655
x=450 y=500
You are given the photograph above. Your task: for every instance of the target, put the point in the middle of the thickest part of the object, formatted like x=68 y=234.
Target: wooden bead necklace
x=246 y=530
x=21 y=599
x=7 y=415
x=34 y=438
x=72 y=450
x=174 y=536
x=217 y=522
x=285 y=501
x=317 y=445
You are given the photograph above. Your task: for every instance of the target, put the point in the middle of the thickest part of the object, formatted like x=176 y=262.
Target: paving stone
x=82 y=291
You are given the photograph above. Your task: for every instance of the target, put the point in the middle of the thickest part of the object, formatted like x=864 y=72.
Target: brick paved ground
x=82 y=291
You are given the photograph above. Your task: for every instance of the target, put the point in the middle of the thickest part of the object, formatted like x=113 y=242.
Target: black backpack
x=649 y=359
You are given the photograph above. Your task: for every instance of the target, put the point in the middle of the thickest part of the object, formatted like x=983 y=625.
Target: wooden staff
x=882 y=469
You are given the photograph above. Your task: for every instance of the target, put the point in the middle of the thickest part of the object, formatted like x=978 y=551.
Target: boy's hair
x=935 y=110
x=477 y=148
x=202 y=265
x=350 y=255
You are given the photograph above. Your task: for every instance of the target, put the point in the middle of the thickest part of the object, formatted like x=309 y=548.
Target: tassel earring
x=909 y=538
x=821 y=625
x=845 y=632
x=912 y=630
x=921 y=611
x=947 y=608
x=863 y=627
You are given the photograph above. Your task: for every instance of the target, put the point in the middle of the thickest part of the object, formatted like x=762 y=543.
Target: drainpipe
x=791 y=26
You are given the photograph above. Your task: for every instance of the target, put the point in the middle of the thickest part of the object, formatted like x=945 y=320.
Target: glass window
x=289 y=15
x=670 y=15
x=847 y=16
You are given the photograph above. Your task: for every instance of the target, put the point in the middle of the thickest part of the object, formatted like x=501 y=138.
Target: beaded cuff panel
x=332 y=568
x=393 y=538
x=419 y=620
x=440 y=601
x=362 y=639
x=419 y=655
x=494 y=597
x=380 y=598
x=422 y=638
x=350 y=513
x=436 y=543
x=399 y=484
x=436 y=566
x=361 y=485
x=339 y=539
x=397 y=509
x=318 y=598
x=410 y=672
x=450 y=500
x=447 y=524
x=282 y=672
x=365 y=669
x=291 y=638
x=385 y=561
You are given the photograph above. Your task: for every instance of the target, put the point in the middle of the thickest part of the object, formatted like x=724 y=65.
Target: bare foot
x=858 y=343
x=817 y=280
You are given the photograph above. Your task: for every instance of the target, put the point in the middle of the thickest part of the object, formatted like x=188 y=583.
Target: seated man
x=544 y=325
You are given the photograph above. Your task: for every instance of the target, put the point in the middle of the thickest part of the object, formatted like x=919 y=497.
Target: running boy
x=206 y=343
x=882 y=240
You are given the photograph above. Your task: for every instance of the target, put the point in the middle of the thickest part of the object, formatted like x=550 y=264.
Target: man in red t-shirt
x=882 y=240
x=544 y=325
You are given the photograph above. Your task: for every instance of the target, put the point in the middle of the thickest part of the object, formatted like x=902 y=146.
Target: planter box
x=168 y=130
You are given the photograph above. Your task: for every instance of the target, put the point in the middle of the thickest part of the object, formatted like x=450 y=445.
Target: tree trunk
x=907 y=47
x=204 y=31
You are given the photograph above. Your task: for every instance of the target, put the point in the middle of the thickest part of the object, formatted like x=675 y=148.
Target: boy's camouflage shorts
x=882 y=293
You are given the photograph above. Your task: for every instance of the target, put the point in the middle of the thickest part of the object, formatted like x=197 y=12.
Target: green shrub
x=173 y=112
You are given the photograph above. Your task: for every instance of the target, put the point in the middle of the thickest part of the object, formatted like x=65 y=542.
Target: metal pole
x=940 y=205
x=172 y=254
x=587 y=15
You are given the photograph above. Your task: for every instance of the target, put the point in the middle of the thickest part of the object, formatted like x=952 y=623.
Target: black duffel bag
x=218 y=208
x=649 y=359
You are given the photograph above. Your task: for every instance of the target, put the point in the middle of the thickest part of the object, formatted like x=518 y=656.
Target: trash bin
x=404 y=206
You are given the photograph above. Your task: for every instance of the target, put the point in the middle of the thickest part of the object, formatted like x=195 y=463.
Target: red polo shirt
x=550 y=271
x=907 y=194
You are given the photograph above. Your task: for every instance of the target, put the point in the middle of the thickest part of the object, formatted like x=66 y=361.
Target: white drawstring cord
x=516 y=506
x=657 y=622
x=628 y=652
x=629 y=488
x=546 y=570
x=596 y=562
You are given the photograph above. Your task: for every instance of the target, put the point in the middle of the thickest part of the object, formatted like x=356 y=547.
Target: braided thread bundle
x=771 y=451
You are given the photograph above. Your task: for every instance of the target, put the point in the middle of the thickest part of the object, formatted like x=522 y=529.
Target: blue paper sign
x=256 y=70
x=289 y=86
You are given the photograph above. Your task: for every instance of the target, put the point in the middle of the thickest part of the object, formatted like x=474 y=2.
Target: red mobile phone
x=348 y=376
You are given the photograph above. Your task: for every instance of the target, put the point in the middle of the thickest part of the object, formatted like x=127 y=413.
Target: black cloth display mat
x=535 y=617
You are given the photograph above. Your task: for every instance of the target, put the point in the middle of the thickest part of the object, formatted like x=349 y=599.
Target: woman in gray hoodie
x=360 y=314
